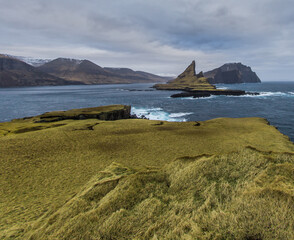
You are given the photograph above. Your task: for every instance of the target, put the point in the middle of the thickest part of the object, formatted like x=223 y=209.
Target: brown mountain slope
x=90 y=73
x=15 y=73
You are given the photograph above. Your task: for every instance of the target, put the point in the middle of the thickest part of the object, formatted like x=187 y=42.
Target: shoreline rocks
x=201 y=94
x=106 y=113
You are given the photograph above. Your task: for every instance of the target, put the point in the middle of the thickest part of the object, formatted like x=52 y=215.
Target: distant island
x=196 y=85
x=232 y=73
x=63 y=71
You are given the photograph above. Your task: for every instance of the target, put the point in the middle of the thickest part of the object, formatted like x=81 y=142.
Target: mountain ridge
x=66 y=71
x=16 y=73
x=91 y=73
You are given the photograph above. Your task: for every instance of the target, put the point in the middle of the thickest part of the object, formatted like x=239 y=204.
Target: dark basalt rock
x=200 y=94
x=231 y=73
x=190 y=94
x=106 y=113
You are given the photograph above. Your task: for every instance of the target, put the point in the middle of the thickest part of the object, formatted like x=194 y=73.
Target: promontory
x=96 y=174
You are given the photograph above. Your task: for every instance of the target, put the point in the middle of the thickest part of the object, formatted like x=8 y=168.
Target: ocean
x=275 y=102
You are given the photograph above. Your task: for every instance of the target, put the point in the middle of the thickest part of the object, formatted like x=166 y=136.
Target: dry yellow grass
x=243 y=195
x=160 y=187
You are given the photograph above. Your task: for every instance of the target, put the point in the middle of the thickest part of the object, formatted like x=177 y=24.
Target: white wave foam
x=177 y=115
x=201 y=98
x=268 y=94
x=222 y=88
x=272 y=94
x=159 y=114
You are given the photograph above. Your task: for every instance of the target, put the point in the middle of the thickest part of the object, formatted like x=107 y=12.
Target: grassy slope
x=43 y=169
x=191 y=82
x=187 y=80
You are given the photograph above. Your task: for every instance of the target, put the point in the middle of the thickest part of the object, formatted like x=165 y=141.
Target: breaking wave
x=159 y=114
x=271 y=94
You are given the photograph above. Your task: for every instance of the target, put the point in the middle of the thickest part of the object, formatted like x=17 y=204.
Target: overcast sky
x=158 y=36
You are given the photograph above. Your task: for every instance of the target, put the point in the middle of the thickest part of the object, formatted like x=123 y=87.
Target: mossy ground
x=222 y=179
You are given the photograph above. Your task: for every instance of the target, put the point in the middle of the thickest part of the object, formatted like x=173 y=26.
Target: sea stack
x=188 y=80
x=196 y=85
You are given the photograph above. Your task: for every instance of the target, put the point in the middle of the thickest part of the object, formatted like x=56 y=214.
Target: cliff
x=112 y=112
x=231 y=73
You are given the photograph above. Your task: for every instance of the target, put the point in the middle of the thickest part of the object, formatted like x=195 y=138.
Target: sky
x=157 y=36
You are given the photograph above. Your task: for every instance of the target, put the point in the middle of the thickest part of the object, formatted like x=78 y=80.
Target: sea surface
x=275 y=102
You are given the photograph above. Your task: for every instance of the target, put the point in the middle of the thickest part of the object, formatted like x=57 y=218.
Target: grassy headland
x=139 y=179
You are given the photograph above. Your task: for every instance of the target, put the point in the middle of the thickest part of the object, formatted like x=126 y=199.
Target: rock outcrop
x=111 y=112
x=15 y=73
x=200 y=94
x=232 y=73
x=188 y=80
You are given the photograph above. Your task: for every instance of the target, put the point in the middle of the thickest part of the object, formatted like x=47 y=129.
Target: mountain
x=35 y=62
x=16 y=73
x=232 y=73
x=90 y=73
x=131 y=74
x=187 y=80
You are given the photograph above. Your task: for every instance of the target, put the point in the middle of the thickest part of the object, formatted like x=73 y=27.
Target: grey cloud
x=156 y=36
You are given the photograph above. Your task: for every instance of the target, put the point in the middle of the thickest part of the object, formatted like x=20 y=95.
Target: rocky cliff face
x=107 y=113
x=15 y=73
x=189 y=72
x=232 y=73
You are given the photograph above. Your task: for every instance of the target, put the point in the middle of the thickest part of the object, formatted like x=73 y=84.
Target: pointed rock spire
x=190 y=71
x=187 y=80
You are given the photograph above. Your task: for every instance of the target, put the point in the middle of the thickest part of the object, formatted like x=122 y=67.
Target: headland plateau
x=96 y=173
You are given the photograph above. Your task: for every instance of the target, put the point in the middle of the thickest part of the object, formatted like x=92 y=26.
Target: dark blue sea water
x=275 y=102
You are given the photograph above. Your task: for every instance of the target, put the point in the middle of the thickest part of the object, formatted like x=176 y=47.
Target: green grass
x=139 y=179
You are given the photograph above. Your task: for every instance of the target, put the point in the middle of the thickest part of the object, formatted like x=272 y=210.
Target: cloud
x=155 y=36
